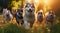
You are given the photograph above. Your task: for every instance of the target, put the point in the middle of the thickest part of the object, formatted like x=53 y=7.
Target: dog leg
x=26 y=25
x=31 y=24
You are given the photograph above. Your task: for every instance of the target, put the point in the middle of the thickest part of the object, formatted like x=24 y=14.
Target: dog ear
x=26 y=5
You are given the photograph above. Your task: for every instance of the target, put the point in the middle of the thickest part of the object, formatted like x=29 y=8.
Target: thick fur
x=29 y=15
x=40 y=16
x=7 y=16
x=50 y=17
x=19 y=17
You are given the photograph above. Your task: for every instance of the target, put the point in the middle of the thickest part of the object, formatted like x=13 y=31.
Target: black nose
x=30 y=10
x=51 y=15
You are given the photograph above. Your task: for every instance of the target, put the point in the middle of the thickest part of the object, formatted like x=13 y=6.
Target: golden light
x=41 y=10
x=37 y=1
x=29 y=1
x=46 y=5
x=46 y=1
x=46 y=13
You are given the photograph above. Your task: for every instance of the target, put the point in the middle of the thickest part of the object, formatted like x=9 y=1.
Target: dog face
x=29 y=8
x=40 y=13
x=40 y=16
x=50 y=17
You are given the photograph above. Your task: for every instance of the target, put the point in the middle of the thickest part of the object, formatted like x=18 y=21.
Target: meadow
x=14 y=28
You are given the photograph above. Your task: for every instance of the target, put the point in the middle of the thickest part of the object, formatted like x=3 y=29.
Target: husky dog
x=19 y=17
x=40 y=16
x=50 y=17
x=29 y=15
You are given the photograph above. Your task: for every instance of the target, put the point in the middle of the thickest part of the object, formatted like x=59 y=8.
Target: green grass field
x=13 y=28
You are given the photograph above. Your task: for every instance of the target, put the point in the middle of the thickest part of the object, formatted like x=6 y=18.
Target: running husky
x=29 y=15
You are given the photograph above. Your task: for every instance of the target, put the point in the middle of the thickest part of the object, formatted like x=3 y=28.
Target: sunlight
x=46 y=5
x=29 y=1
x=37 y=1
x=46 y=2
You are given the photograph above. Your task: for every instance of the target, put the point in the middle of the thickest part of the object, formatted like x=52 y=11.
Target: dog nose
x=30 y=10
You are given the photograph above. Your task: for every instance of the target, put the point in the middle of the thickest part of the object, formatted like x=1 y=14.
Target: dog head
x=40 y=13
x=29 y=8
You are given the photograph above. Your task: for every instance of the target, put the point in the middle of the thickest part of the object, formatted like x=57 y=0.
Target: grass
x=55 y=28
x=13 y=28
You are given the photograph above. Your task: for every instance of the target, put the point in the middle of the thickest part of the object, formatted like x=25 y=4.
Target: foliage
x=9 y=2
x=55 y=28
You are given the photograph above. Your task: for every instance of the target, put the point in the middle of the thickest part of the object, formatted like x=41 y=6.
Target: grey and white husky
x=29 y=16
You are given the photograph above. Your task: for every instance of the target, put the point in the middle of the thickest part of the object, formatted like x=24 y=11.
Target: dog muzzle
x=30 y=10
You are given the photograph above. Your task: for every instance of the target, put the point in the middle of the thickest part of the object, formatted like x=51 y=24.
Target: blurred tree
x=5 y=4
